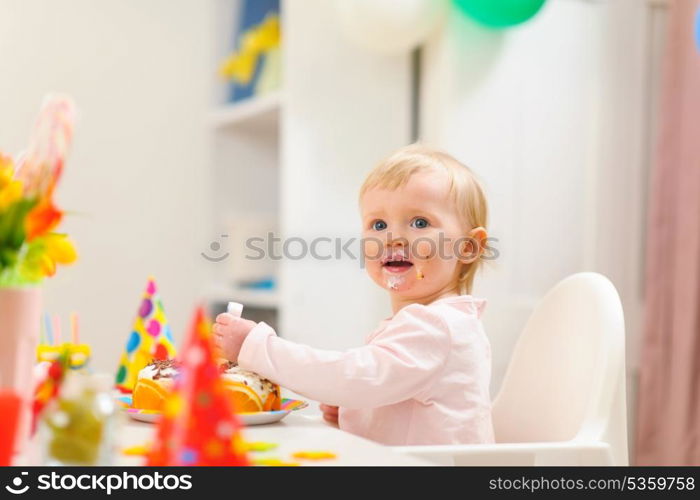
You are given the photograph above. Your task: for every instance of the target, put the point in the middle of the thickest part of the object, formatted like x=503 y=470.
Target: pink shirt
x=422 y=376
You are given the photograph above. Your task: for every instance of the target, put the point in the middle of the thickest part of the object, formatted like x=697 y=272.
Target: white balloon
x=390 y=26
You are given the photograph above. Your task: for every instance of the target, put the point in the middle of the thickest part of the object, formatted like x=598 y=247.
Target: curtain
x=668 y=412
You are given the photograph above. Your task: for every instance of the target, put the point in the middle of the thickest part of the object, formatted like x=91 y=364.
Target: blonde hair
x=466 y=191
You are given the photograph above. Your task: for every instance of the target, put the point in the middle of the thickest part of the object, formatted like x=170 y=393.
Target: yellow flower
x=10 y=188
x=60 y=249
x=10 y=194
x=5 y=165
x=43 y=254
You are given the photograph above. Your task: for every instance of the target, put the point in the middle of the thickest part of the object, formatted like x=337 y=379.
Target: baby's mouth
x=397 y=265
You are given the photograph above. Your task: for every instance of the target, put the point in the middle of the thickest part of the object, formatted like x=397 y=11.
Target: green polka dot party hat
x=150 y=338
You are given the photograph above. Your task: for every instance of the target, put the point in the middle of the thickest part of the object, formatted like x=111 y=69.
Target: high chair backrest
x=566 y=376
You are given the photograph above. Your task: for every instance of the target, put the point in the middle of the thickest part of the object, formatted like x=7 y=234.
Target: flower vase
x=20 y=319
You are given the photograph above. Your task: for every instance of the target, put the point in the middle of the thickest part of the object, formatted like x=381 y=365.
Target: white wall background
x=137 y=180
x=516 y=107
x=345 y=109
x=556 y=117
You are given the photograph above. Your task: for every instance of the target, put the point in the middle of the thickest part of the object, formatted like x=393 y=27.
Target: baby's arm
x=397 y=364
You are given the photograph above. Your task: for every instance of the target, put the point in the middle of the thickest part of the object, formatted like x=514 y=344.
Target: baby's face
x=413 y=237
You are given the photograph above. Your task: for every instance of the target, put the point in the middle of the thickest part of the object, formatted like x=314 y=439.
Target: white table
x=296 y=432
x=301 y=430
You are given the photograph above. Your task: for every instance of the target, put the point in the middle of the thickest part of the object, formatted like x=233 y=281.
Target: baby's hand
x=330 y=414
x=229 y=334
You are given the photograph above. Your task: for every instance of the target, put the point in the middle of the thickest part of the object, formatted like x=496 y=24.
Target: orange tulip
x=44 y=217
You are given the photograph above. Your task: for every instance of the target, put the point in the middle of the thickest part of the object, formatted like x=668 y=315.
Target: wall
x=556 y=116
x=137 y=179
x=532 y=110
x=345 y=108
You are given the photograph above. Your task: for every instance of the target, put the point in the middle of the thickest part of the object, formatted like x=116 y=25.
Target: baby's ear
x=473 y=246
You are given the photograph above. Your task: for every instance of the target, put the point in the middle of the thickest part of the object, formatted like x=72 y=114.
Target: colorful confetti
x=137 y=450
x=260 y=446
x=315 y=455
x=274 y=462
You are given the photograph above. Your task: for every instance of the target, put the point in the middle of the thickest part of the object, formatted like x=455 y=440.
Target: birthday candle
x=74 y=328
x=235 y=308
x=57 y=328
x=42 y=333
x=49 y=328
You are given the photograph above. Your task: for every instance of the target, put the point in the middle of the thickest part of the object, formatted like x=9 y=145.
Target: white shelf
x=256 y=113
x=247 y=297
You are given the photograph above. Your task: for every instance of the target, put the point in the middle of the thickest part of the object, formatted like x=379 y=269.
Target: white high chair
x=562 y=401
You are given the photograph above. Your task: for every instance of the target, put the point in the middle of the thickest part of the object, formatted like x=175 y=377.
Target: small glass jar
x=78 y=427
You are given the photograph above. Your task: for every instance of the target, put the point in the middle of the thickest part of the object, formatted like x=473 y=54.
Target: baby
x=423 y=375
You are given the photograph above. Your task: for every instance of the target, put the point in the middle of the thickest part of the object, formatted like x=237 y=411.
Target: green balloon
x=500 y=13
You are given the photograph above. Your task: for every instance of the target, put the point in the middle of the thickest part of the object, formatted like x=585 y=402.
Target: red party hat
x=198 y=426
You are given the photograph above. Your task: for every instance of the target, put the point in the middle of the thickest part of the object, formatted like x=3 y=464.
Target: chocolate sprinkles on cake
x=164 y=364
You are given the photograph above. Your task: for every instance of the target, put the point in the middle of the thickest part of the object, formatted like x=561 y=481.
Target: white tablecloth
x=301 y=430
x=296 y=432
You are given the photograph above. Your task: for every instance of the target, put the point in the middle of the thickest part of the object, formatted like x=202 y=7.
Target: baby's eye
x=420 y=223
x=379 y=225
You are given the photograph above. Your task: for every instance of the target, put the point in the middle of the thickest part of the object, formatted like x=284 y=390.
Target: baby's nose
x=395 y=240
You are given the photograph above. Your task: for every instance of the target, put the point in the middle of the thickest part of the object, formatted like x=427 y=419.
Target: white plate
x=258 y=418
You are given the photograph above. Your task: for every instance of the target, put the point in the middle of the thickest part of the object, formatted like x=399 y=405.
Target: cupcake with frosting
x=154 y=383
x=248 y=391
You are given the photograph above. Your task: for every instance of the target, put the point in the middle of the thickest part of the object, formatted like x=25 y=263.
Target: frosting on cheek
x=394 y=282
x=424 y=249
